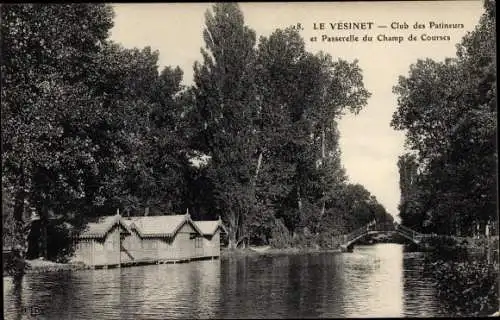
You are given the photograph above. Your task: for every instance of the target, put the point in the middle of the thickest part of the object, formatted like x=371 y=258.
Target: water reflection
x=377 y=277
x=174 y=291
x=372 y=281
x=253 y=286
x=149 y=292
x=419 y=287
x=13 y=288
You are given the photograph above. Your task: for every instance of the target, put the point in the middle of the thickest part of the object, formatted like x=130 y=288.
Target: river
x=379 y=280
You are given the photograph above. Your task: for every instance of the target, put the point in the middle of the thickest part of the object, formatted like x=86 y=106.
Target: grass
x=40 y=265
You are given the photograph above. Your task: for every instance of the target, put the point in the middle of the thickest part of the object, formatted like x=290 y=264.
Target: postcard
x=249 y=160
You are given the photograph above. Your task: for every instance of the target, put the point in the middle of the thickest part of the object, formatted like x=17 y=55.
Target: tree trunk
x=321 y=214
x=299 y=206
x=253 y=195
x=299 y=200
x=323 y=148
x=232 y=240
x=259 y=163
x=232 y=231
x=243 y=241
x=323 y=156
x=20 y=233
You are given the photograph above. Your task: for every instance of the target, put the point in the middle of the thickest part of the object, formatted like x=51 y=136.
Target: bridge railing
x=409 y=232
x=356 y=233
x=386 y=226
x=381 y=226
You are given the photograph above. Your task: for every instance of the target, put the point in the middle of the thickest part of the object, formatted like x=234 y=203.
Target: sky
x=369 y=146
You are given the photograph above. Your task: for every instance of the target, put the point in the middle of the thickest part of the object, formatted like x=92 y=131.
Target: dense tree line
x=89 y=127
x=448 y=110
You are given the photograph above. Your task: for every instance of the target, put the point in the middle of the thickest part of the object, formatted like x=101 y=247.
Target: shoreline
x=247 y=252
x=37 y=266
x=41 y=266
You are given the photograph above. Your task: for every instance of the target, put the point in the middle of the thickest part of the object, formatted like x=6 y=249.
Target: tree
x=301 y=96
x=86 y=122
x=47 y=105
x=280 y=90
x=224 y=94
x=410 y=209
x=448 y=111
x=154 y=160
x=169 y=142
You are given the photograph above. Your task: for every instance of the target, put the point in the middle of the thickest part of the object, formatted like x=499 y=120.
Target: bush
x=467 y=288
x=304 y=241
x=280 y=236
x=441 y=241
x=325 y=241
x=494 y=243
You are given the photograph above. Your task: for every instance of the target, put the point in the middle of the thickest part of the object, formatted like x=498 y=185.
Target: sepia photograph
x=249 y=160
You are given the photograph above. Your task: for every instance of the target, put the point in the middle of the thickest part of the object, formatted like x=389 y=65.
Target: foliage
x=440 y=241
x=301 y=96
x=59 y=243
x=467 y=288
x=8 y=224
x=89 y=127
x=224 y=105
x=85 y=121
x=280 y=236
x=49 y=109
x=448 y=111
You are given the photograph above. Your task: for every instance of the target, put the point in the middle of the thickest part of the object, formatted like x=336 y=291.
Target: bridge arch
x=380 y=228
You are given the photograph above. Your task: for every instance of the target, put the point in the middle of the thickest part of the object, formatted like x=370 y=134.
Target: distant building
x=211 y=231
x=100 y=243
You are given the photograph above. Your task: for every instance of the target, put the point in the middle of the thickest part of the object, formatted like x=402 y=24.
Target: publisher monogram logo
x=32 y=310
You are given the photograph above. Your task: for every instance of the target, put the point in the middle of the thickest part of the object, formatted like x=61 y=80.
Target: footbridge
x=347 y=240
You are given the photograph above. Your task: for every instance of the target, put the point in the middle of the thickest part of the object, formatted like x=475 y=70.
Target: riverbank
x=481 y=243
x=247 y=252
x=233 y=287
x=468 y=244
x=39 y=265
x=42 y=266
